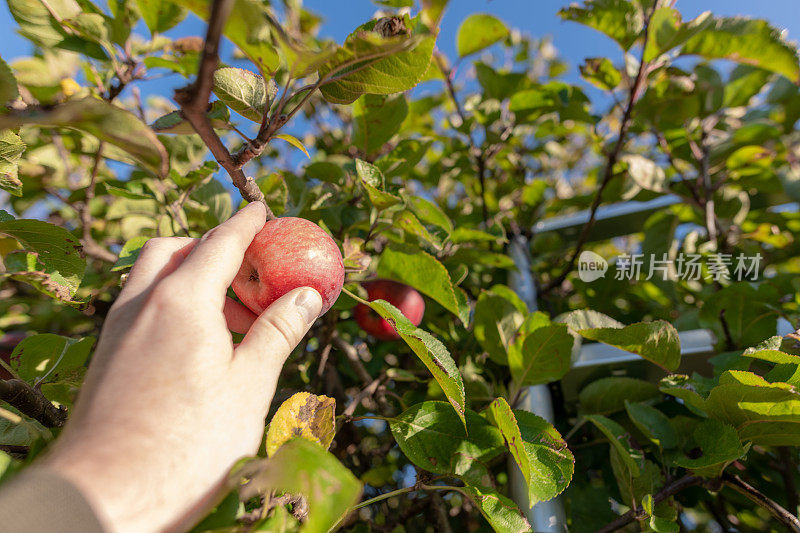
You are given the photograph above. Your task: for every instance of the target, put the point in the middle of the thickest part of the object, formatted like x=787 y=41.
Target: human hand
x=169 y=403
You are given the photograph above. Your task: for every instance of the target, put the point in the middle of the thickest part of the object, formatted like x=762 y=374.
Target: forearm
x=39 y=500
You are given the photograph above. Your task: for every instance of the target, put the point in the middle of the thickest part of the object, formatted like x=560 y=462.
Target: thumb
x=279 y=329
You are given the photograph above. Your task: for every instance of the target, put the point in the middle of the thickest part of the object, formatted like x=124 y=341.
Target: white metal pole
x=545 y=517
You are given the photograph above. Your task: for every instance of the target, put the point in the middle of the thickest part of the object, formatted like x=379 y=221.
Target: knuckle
x=153 y=244
x=281 y=330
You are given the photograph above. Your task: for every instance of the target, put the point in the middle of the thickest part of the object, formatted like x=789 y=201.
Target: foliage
x=428 y=188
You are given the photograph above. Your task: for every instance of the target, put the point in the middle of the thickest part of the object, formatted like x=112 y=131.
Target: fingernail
x=309 y=303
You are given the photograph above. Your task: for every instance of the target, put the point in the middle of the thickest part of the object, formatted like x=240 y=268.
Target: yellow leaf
x=294 y=141
x=303 y=415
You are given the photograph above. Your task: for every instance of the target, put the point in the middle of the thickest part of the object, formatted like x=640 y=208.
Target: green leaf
x=294 y=141
x=403 y=159
x=429 y=213
x=410 y=224
x=601 y=72
x=719 y=446
x=374 y=183
x=11 y=149
x=303 y=415
x=37 y=24
x=173 y=122
x=160 y=15
x=425 y=273
x=184 y=180
x=243 y=91
x=545 y=356
x=499 y=85
x=304 y=467
x=655 y=341
x=376 y=118
x=105 y=121
x=275 y=190
x=91 y=26
x=58 y=257
x=538 y=449
x=433 y=438
x=48 y=356
x=748 y=313
x=685 y=389
x=325 y=171
x=646 y=173
x=771 y=433
x=749 y=41
x=587 y=319
x=496 y=322
x=502 y=514
x=218 y=201
x=653 y=424
x=619 y=19
x=129 y=253
x=608 y=395
x=479 y=31
x=744 y=83
x=247 y=28
x=667 y=31
x=756 y=408
x=368 y=63
x=430 y=351
x=620 y=441
x=8 y=84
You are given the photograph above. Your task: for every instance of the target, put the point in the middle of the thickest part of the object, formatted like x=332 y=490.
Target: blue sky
x=535 y=17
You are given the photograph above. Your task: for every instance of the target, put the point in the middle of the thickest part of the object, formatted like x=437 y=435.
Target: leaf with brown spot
x=51 y=258
x=303 y=467
x=303 y=415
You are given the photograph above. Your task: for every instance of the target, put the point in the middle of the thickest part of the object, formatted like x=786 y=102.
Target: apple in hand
x=288 y=253
x=403 y=297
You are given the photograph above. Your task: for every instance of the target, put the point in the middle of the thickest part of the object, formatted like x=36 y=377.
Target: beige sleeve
x=39 y=501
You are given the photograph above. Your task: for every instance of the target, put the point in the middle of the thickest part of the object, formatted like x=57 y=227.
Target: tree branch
x=634 y=514
x=754 y=495
x=613 y=157
x=193 y=100
x=477 y=153
x=90 y=246
x=31 y=402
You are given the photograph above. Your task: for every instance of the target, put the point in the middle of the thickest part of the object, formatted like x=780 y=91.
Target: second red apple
x=403 y=297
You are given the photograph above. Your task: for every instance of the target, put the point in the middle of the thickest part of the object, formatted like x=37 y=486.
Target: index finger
x=215 y=260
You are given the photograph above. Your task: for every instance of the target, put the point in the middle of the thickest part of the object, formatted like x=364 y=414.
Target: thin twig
x=366 y=392
x=613 y=157
x=670 y=490
x=352 y=355
x=754 y=495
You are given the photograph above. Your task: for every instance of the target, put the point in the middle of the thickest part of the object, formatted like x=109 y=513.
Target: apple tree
x=424 y=169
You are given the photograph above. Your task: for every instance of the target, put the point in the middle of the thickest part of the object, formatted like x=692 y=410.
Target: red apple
x=8 y=342
x=288 y=253
x=403 y=297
